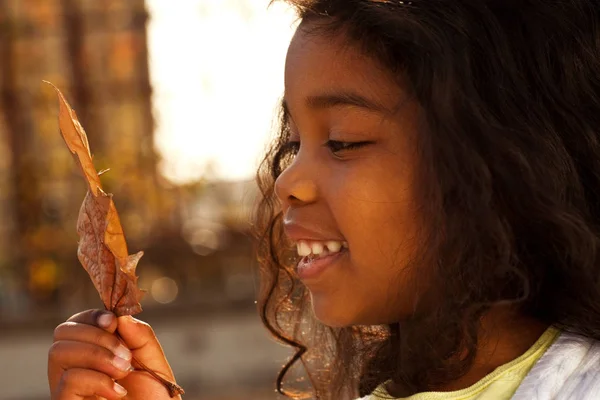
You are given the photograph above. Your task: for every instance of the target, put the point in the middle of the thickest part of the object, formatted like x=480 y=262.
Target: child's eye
x=337 y=146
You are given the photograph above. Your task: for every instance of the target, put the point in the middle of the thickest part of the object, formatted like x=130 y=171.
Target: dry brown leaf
x=102 y=248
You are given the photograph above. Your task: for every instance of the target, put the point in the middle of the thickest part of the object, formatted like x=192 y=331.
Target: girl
x=437 y=176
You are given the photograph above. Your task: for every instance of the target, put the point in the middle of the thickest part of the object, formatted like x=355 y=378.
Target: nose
x=296 y=184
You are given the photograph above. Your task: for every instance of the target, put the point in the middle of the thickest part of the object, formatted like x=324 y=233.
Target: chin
x=333 y=313
x=338 y=312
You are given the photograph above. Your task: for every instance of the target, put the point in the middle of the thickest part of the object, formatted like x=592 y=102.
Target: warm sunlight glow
x=216 y=68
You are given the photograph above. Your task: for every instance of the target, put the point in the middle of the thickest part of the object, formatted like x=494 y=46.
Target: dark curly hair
x=509 y=183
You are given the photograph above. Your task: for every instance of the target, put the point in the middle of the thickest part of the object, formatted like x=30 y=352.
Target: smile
x=318 y=249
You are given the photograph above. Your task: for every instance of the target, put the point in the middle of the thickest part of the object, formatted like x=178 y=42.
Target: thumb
x=141 y=340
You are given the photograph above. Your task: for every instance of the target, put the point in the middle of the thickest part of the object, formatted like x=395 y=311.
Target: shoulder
x=570 y=369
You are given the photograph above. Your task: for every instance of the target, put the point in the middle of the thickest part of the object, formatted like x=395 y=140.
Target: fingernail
x=120 y=389
x=105 y=320
x=123 y=365
x=123 y=352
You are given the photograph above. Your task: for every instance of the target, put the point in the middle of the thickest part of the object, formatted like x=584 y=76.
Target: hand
x=87 y=359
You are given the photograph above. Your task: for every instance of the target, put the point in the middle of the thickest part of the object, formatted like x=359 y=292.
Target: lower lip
x=312 y=269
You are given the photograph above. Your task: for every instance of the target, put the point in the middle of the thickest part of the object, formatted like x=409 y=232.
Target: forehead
x=318 y=62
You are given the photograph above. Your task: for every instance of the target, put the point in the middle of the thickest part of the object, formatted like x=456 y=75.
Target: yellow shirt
x=501 y=384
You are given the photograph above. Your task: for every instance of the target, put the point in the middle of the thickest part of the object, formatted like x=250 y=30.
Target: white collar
x=568 y=370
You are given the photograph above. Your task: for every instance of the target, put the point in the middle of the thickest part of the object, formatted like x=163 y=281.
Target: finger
x=100 y=318
x=78 y=332
x=77 y=384
x=142 y=341
x=65 y=355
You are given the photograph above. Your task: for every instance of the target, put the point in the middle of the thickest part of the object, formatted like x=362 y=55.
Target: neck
x=504 y=336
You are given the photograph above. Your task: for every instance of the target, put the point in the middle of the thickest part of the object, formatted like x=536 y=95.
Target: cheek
x=376 y=214
x=382 y=265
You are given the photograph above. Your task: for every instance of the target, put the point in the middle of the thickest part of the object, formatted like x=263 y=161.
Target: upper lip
x=297 y=232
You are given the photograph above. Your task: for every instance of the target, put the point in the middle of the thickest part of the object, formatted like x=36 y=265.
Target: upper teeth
x=306 y=248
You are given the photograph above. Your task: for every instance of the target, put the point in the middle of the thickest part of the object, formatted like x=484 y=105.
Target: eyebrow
x=342 y=99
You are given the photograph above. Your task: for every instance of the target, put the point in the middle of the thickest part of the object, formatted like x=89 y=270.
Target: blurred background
x=178 y=99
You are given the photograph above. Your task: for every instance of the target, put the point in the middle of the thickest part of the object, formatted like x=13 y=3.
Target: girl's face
x=335 y=95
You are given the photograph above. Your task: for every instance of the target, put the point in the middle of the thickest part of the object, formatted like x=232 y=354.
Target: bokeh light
x=164 y=290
